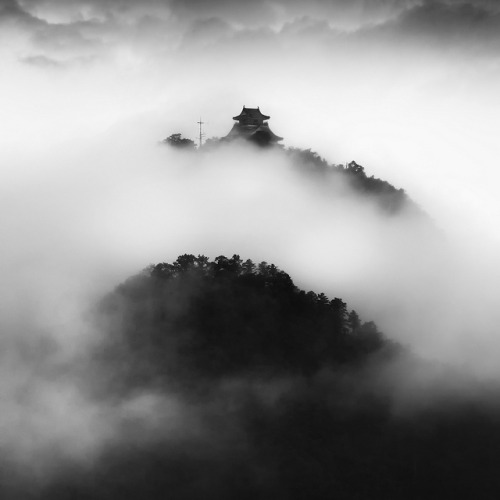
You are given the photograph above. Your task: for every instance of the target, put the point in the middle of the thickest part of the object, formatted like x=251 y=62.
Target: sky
x=408 y=89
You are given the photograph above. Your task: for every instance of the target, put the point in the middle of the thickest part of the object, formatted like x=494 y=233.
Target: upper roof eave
x=251 y=112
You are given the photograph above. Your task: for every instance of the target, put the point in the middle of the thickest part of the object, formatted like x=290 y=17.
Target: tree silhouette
x=176 y=140
x=228 y=315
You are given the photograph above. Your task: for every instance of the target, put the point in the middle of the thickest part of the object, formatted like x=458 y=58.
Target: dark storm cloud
x=263 y=11
x=473 y=27
x=94 y=25
x=249 y=12
x=449 y=20
x=207 y=31
x=244 y=13
x=10 y=10
x=50 y=38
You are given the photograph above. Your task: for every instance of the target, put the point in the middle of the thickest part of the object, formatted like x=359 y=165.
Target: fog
x=88 y=197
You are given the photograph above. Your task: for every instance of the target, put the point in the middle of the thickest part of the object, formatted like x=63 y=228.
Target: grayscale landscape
x=249 y=249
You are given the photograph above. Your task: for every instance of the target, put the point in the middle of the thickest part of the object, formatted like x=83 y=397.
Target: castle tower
x=252 y=126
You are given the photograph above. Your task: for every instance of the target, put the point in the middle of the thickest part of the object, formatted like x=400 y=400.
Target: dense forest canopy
x=230 y=316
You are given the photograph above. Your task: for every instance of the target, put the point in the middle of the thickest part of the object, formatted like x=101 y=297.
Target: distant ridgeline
x=390 y=199
x=251 y=126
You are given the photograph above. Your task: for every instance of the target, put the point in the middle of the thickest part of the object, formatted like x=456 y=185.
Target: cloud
x=41 y=61
x=98 y=29
x=459 y=23
x=12 y=12
x=11 y=8
x=207 y=32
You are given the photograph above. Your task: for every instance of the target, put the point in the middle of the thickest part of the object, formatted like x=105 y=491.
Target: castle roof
x=252 y=114
x=251 y=126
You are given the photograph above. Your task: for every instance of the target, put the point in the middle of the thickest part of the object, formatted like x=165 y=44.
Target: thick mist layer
x=87 y=198
x=91 y=216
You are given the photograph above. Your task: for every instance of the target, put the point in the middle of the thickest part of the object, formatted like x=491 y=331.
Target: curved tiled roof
x=251 y=113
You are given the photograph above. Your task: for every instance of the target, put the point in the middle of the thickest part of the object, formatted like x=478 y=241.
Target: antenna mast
x=200 y=123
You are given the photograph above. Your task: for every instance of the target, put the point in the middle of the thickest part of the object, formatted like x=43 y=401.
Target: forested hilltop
x=389 y=198
x=233 y=383
x=229 y=317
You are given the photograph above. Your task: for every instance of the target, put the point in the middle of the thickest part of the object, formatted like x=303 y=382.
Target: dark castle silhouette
x=252 y=126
